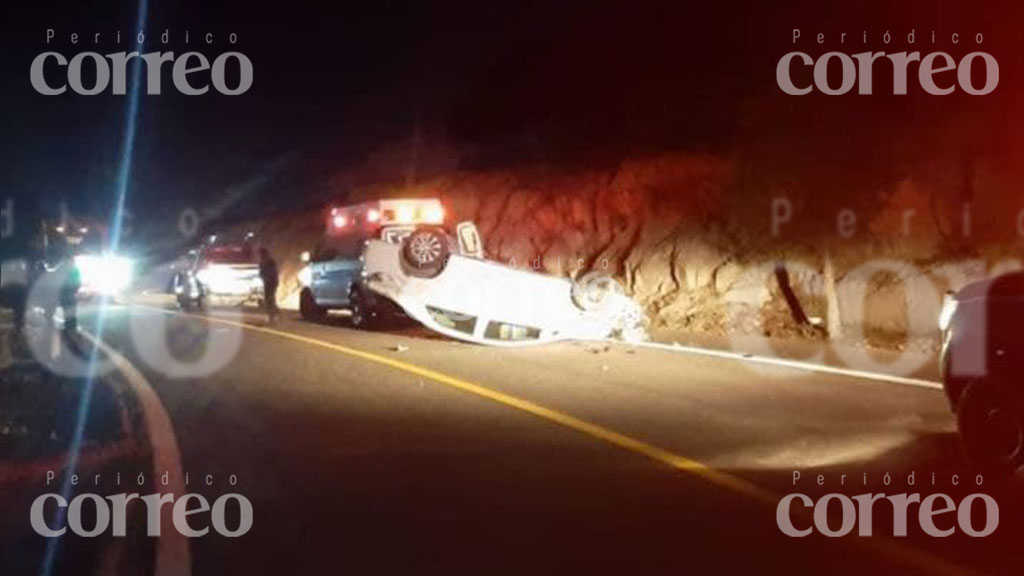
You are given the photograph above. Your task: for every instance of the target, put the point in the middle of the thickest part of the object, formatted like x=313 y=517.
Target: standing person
x=55 y=288
x=270 y=278
x=14 y=282
x=19 y=254
x=71 y=283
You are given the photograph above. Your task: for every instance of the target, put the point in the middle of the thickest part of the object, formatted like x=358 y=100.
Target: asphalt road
x=406 y=453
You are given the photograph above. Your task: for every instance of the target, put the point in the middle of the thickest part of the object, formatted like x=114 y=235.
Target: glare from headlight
x=305 y=276
x=203 y=275
x=108 y=275
x=949 y=306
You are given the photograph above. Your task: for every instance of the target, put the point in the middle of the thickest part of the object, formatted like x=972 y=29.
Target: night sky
x=564 y=83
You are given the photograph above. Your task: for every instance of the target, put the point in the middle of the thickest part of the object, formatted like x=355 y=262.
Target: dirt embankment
x=697 y=247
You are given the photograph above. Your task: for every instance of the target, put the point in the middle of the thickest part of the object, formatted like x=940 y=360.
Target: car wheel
x=193 y=304
x=366 y=314
x=308 y=308
x=594 y=291
x=425 y=252
x=183 y=290
x=992 y=429
x=187 y=304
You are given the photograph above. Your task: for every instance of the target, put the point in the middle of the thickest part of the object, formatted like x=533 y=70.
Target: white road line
x=173 y=555
x=791 y=364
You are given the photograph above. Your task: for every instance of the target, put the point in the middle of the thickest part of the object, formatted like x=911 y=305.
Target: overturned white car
x=447 y=286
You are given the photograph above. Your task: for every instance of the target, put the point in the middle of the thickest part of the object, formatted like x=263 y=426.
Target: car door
x=334 y=271
x=347 y=268
x=1005 y=316
x=320 y=270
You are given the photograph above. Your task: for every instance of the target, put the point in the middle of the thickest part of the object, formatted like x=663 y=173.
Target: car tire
x=191 y=304
x=197 y=304
x=308 y=308
x=425 y=252
x=366 y=313
x=187 y=304
x=992 y=429
x=181 y=290
x=593 y=291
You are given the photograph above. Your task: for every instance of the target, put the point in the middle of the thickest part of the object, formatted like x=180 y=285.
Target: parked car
x=59 y=265
x=983 y=370
x=220 y=273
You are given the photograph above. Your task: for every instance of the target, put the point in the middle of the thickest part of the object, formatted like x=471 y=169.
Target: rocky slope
x=680 y=235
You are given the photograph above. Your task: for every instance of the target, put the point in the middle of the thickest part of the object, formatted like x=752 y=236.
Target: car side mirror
x=469 y=240
x=305 y=257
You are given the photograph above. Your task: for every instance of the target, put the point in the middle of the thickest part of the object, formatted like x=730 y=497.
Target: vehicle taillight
x=373 y=216
x=340 y=221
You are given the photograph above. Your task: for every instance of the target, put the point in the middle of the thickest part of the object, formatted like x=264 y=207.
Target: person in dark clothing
x=14 y=282
x=57 y=287
x=68 y=296
x=270 y=278
x=13 y=295
x=18 y=254
x=18 y=299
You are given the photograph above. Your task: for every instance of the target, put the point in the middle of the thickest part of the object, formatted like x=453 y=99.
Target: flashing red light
x=340 y=221
x=373 y=216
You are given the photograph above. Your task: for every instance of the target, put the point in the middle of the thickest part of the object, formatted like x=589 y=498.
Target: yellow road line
x=890 y=548
x=593 y=430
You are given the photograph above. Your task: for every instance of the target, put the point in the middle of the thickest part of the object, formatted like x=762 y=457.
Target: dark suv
x=983 y=370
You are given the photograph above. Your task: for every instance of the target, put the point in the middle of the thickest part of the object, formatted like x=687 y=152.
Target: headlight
x=105 y=274
x=305 y=276
x=949 y=306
